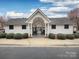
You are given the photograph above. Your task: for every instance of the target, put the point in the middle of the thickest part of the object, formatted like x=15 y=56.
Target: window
x=53 y=26
x=66 y=26
x=11 y=27
x=23 y=26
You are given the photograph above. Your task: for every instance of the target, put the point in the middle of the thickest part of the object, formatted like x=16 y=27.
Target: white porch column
x=45 y=29
x=31 y=29
x=48 y=29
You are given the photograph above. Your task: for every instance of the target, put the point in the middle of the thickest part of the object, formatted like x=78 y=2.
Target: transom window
x=53 y=26
x=23 y=26
x=11 y=27
x=66 y=26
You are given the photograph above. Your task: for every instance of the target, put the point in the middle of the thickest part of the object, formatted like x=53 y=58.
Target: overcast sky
x=24 y=8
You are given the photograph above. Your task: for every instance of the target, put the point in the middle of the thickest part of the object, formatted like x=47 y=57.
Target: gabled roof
x=16 y=21
x=61 y=21
x=22 y=21
x=38 y=11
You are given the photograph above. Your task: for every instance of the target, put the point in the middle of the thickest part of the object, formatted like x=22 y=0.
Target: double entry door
x=38 y=30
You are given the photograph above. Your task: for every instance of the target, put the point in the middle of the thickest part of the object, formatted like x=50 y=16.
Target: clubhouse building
x=39 y=24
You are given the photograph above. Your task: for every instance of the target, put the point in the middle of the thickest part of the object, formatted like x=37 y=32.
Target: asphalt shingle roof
x=17 y=21
x=21 y=21
x=61 y=21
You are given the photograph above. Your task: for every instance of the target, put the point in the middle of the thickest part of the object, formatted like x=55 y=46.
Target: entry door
x=34 y=31
x=43 y=30
x=38 y=30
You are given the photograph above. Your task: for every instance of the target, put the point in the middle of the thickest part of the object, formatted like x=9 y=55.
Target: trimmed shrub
x=18 y=36
x=70 y=36
x=76 y=35
x=2 y=35
x=25 y=35
x=10 y=36
x=52 y=36
x=61 y=36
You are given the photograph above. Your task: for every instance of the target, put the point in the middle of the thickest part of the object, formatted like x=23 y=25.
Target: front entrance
x=38 y=27
x=38 y=30
x=38 y=24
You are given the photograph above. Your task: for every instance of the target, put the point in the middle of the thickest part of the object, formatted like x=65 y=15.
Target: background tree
x=2 y=22
x=74 y=15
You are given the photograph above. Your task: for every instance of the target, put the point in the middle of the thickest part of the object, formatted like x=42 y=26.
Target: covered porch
x=38 y=24
x=38 y=28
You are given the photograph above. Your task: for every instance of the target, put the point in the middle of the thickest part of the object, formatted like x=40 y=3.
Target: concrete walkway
x=39 y=42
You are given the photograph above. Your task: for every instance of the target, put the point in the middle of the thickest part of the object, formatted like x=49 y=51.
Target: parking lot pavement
x=39 y=52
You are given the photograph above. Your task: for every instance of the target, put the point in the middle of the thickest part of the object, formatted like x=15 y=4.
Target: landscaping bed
x=14 y=36
x=51 y=36
x=64 y=36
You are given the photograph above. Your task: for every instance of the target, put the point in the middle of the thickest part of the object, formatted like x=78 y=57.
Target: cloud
x=32 y=10
x=46 y=1
x=13 y=14
x=55 y=15
x=59 y=9
x=50 y=12
x=56 y=12
x=69 y=1
x=62 y=2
